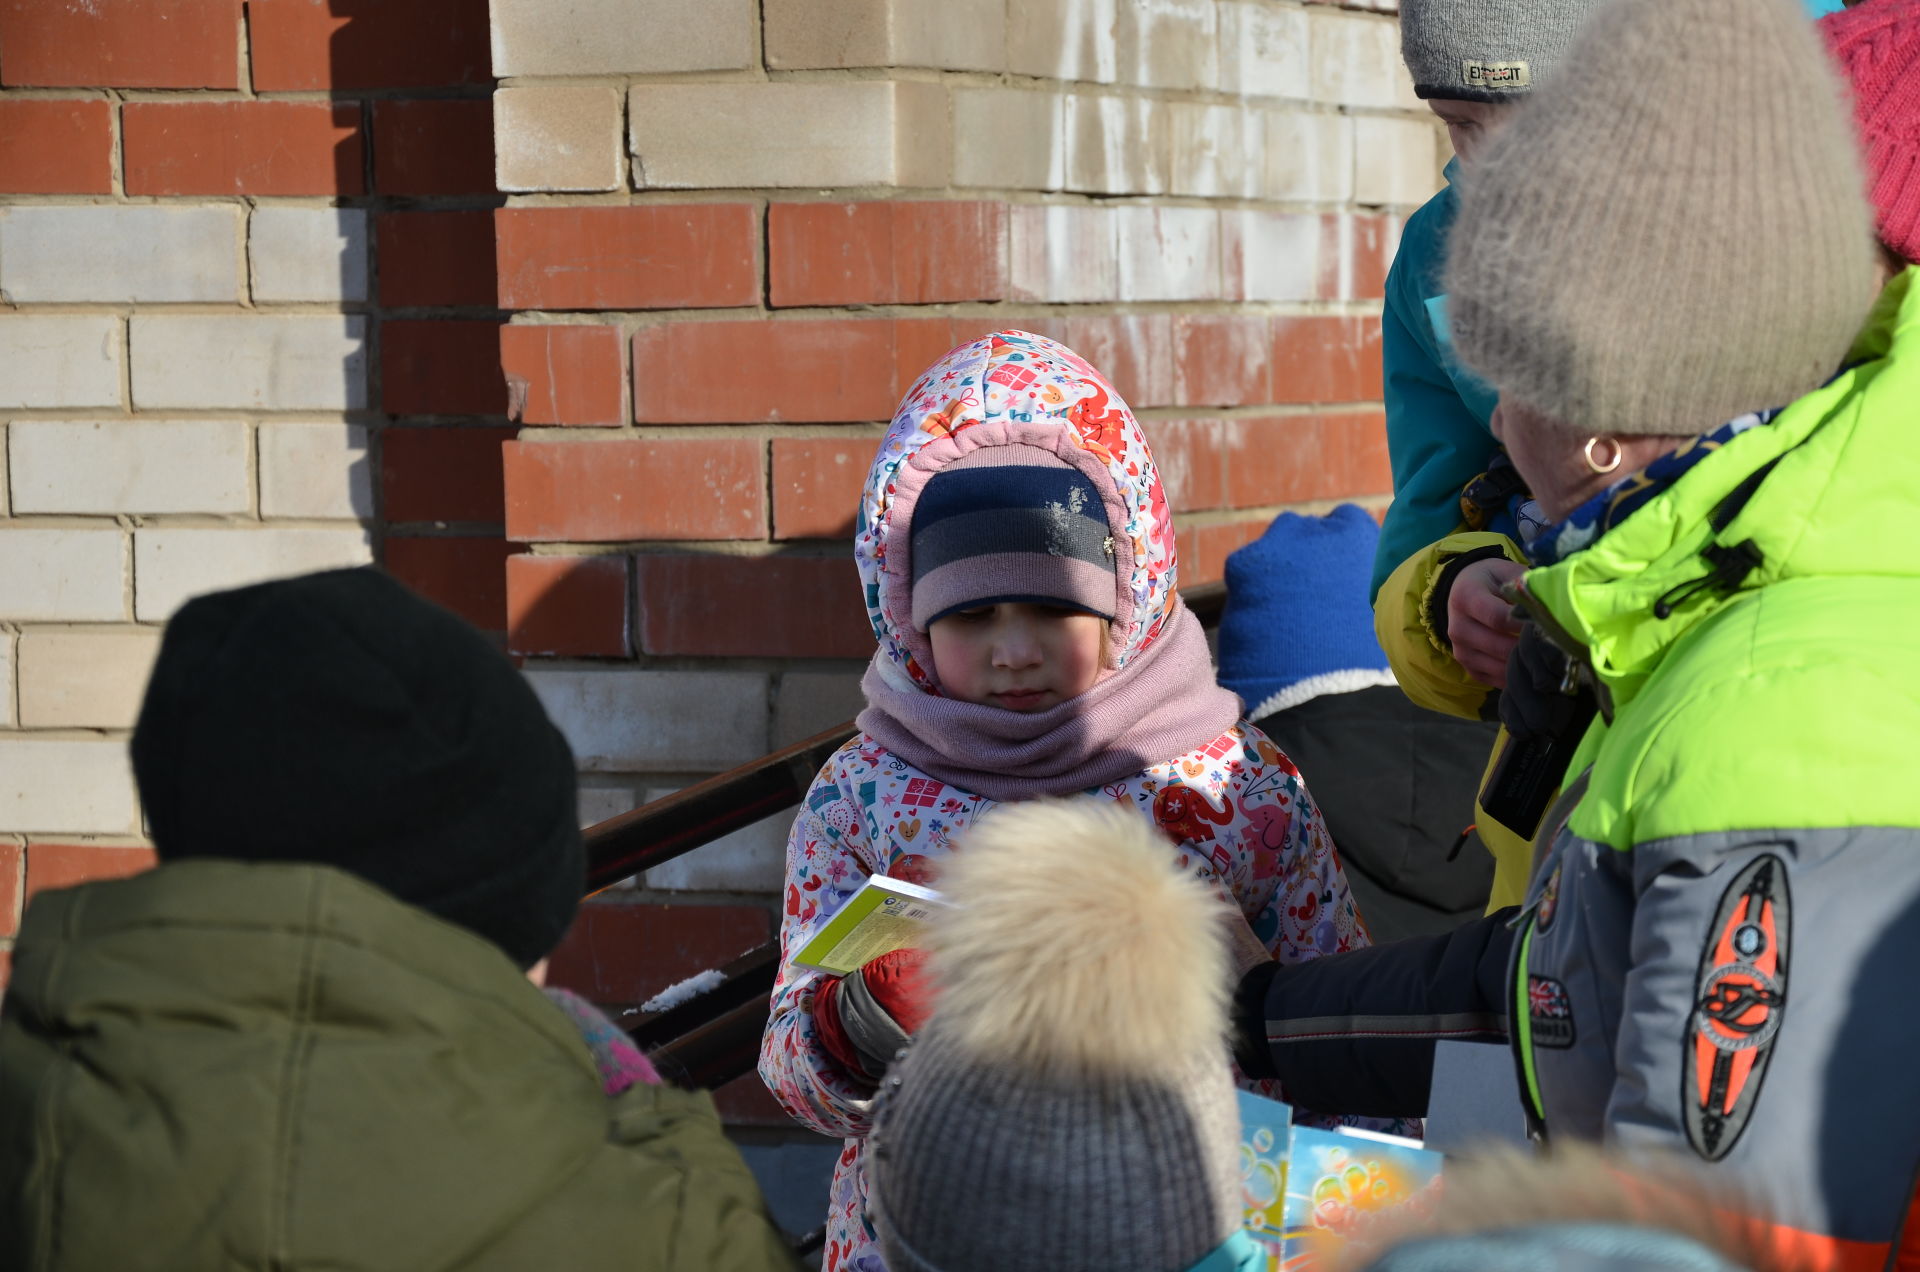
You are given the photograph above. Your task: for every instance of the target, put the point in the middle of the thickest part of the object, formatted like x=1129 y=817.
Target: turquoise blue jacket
x=1437 y=412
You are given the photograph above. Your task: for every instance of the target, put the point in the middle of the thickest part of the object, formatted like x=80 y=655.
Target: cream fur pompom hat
x=1673 y=232
x=1070 y=1104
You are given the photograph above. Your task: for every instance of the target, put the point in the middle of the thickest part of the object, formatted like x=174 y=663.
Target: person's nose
x=1015 y=648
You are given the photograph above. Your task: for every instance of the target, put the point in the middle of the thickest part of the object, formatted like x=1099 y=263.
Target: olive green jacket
x=217 y=1065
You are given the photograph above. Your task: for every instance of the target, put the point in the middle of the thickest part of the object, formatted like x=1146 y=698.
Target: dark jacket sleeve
x=1355 y=1031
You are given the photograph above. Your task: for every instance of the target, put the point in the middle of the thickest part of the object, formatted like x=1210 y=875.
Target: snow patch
x=685 y=991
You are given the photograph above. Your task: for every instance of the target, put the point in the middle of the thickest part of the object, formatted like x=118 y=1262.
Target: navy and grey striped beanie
x=1011 y=523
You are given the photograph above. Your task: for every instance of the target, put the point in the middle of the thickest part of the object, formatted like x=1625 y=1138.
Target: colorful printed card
x=1339 y=1181
x=1266 y=1128
x=883 y=916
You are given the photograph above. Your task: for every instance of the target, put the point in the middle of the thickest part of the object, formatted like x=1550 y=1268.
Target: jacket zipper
x=1521 y=1033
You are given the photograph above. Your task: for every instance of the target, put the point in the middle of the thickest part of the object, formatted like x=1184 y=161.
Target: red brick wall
x=381 y=107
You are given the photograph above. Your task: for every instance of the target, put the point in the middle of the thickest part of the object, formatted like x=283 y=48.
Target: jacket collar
x=1737 y=519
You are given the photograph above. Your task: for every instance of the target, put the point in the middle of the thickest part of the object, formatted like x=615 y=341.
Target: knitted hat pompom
x=1070 y=1103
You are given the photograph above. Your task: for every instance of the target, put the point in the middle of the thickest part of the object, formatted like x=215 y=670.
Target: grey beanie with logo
x=1486 y=50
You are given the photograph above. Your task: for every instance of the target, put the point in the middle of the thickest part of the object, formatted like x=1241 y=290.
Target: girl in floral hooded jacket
x=1016 y=551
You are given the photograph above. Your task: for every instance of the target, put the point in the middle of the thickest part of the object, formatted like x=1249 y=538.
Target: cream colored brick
x=1356 y=59
x=1216 y=150
x=129 y=466
x=1064 y=39
x=1063 y=254
x=275 y=362
x=814 y=133
x=751 y=859
x=622 y=37
x=558 y=137
x=308 y=253
x=120 y=254
x=1115 y=144
x=60 y=360
x=75 y=787
x=1272 y=256
x=1394 y=161
x=958 y=35
x=1309 y=156
x=603 y=803
x=62 y=576
x=314 y=470
x=625 y=721
x=1008 y=138
x=170 y=566
x=84 y=679
x=8 y=716
x=1168 y=253
x=1263 y=50
x=1168 y=43
x=809 y=702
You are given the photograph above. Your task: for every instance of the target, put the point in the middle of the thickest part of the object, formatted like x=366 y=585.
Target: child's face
x=1469 y=124
x=1018 y=656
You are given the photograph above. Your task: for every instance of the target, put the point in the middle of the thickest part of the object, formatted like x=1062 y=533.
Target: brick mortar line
x=69 y=627
x=633 y=320
x=873 y=430
x=195 y=414
x=343 y=202
x=188 y=96
x=957 y=78
x=62 y=733
x=143 y=522
x=1010 y=196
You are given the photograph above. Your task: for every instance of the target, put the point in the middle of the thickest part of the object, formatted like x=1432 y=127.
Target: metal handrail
x=714 y=1038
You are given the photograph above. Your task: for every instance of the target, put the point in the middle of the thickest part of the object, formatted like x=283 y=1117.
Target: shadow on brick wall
x=416 y=79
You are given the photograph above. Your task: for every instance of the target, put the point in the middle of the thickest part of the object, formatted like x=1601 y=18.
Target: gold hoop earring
x=1601 y=468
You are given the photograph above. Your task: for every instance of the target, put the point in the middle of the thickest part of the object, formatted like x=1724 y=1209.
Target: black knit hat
x=340 y=719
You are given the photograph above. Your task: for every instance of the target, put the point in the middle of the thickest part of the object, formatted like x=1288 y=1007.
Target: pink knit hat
x=1877 y=45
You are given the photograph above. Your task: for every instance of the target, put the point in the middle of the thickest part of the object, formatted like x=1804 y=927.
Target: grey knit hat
x=1674 y=234
x=1070 y=1104
x=1486 y=50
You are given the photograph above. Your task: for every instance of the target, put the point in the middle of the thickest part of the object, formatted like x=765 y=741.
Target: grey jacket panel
x=1580 y=909
x=1759 y=995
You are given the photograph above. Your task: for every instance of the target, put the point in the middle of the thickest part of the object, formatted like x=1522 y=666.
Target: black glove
x=1533 y=704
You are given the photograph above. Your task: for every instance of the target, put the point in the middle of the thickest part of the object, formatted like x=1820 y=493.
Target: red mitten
x=865 y=1018
x=899 y=984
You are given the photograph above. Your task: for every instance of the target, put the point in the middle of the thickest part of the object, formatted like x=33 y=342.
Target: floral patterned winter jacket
x=1235 y=810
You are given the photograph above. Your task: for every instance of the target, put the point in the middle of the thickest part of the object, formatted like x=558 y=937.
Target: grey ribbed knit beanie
x=1070 y=1103
x=1486 y=50
x=1673 y=234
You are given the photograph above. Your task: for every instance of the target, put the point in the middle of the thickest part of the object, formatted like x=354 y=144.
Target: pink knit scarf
x=1161 y=705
